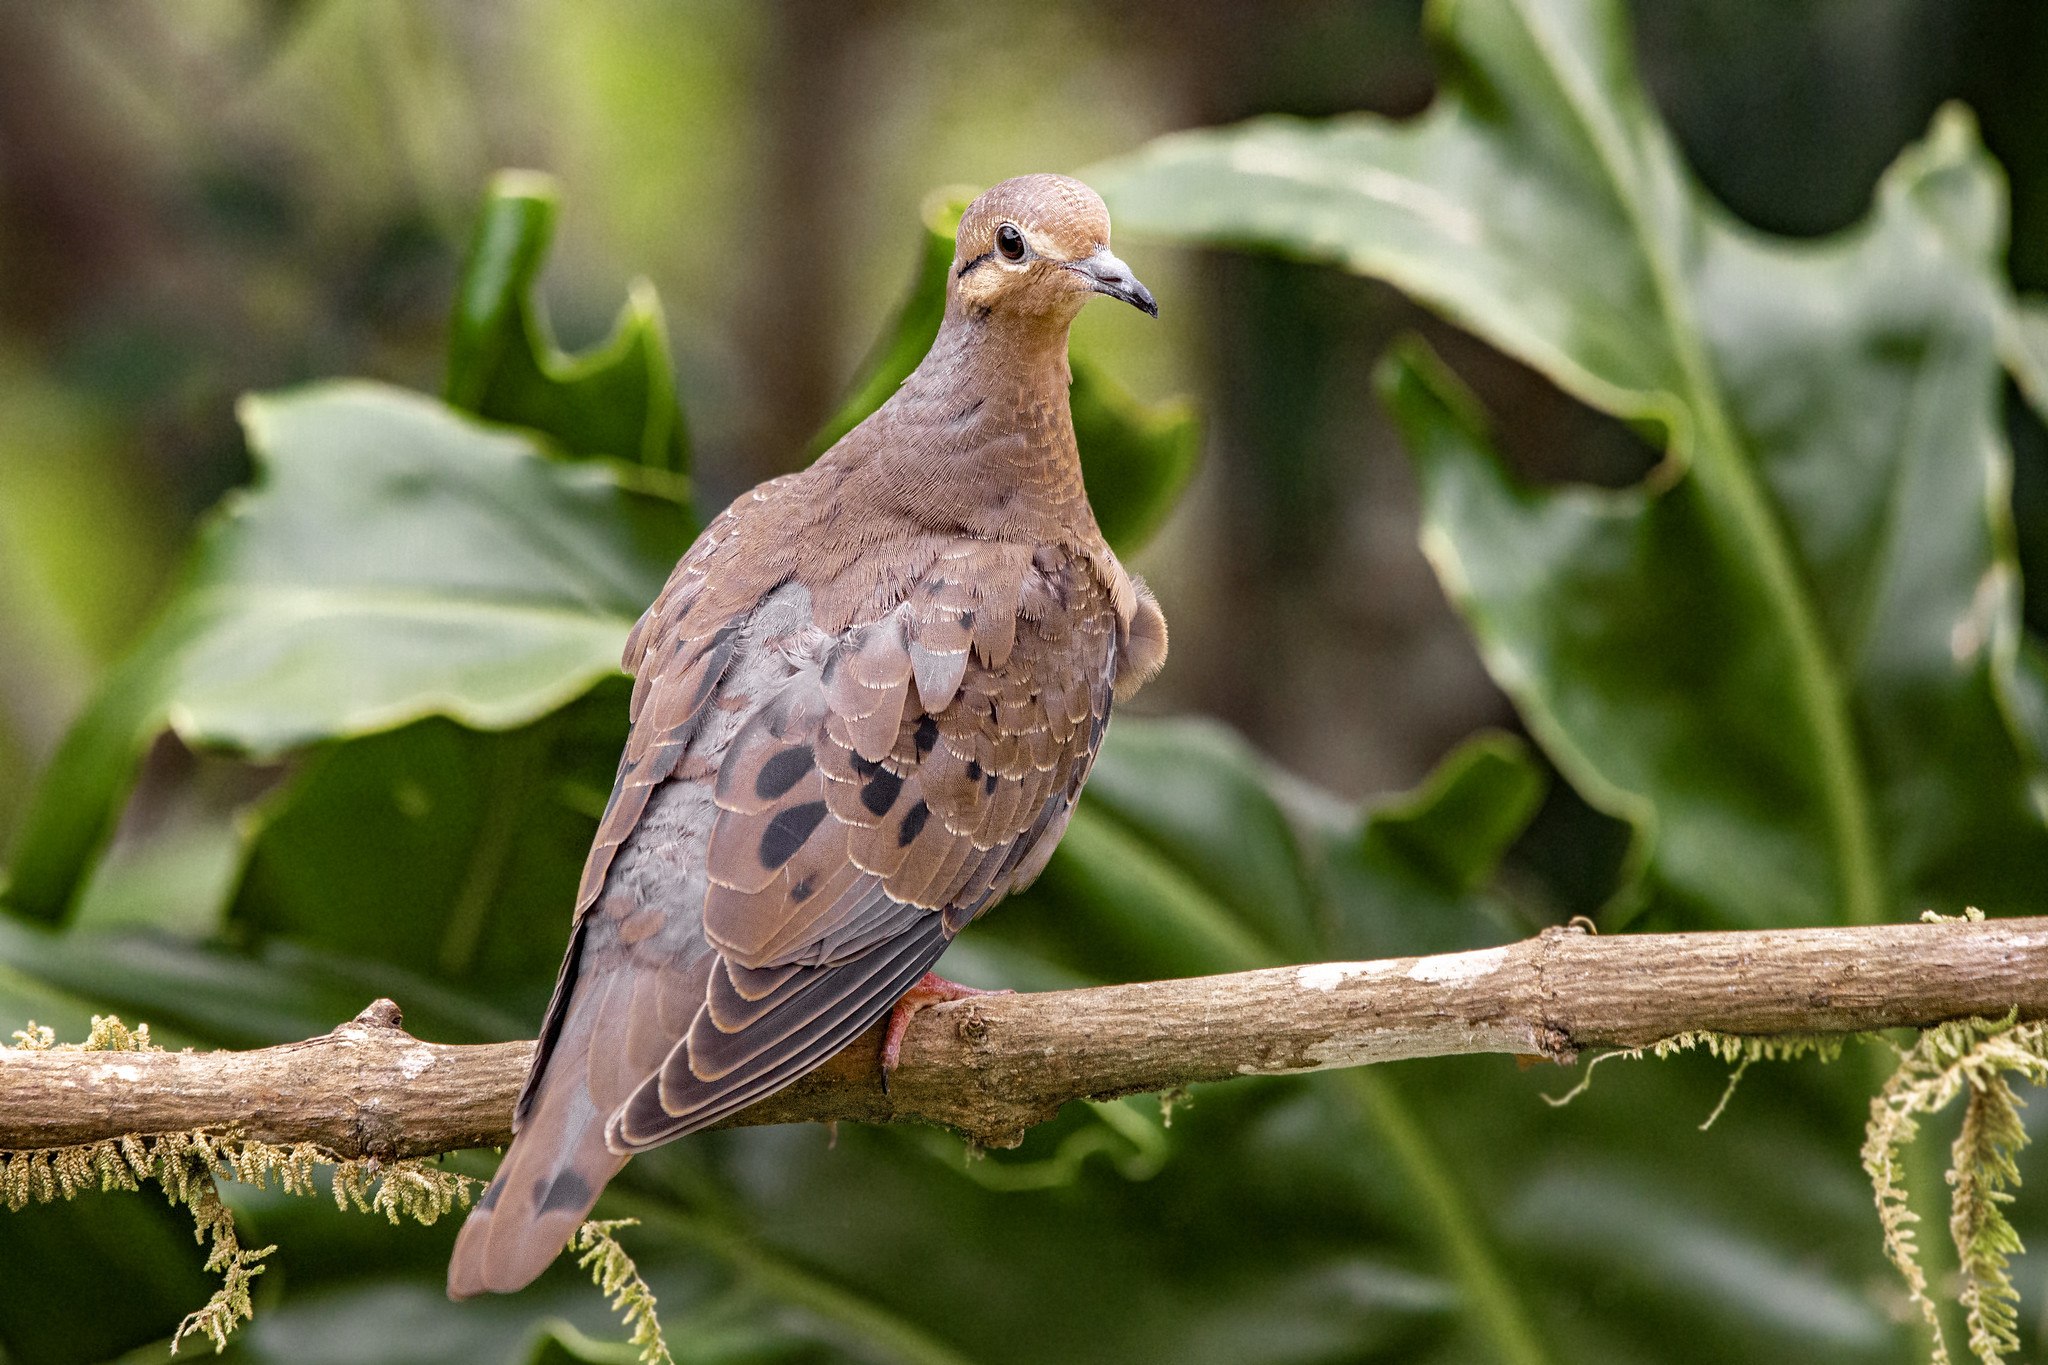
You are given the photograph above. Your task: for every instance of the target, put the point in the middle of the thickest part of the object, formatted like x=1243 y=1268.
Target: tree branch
x=992 y=1067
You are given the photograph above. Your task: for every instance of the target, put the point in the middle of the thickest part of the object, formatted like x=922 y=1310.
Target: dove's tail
x=544 y=1188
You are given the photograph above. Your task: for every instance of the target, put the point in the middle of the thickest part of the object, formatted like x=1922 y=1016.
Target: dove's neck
x=1012 y=375
x=983 y=434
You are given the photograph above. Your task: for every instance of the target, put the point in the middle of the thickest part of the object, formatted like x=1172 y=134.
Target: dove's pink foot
x=931 y=989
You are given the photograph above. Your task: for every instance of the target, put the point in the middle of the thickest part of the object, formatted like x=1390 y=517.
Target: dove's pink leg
x=932 y=989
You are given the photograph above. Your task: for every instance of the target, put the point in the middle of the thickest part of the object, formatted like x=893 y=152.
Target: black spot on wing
x=787 y=831
x=568 y=1190
x=927 y=736
x=913 y=824
x=783 y=771
x=880 y=792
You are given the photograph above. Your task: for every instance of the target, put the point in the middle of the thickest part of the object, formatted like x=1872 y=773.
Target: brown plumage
x=864 y=706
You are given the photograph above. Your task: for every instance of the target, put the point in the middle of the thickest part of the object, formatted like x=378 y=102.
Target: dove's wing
x=803 y=819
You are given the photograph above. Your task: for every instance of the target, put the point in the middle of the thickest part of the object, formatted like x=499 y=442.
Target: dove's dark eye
x=1010 y=243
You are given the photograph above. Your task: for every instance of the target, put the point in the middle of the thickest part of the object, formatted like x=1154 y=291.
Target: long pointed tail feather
x=544 y=1189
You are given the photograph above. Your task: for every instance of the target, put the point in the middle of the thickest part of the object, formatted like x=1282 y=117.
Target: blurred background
x=201 y=200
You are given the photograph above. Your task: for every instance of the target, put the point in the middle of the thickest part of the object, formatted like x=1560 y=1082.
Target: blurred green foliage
x=1822 y=571
x=1791 y=660
x=618 y=400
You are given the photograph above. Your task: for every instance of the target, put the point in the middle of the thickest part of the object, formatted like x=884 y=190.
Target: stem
x=517 y=758
x=1489 y=1296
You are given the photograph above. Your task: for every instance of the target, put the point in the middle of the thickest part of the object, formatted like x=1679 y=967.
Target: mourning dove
x=864 y=706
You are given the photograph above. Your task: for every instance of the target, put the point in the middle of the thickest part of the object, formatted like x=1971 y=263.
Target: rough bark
x=993 y=1066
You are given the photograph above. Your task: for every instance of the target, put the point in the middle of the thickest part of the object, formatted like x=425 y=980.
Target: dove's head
x=1037 y=247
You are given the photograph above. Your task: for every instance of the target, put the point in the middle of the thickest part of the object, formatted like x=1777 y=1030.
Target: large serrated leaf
x=1778 y=658
x=397 y=561
x=617 y=399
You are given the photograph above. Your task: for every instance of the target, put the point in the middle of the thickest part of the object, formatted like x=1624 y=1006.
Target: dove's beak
x=1108 y=275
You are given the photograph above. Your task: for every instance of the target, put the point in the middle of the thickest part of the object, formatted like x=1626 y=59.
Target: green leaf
x=561 y=1344
x=1416 y=874
x=1145 y=914
x=2024 y=344
x=395 y=561
x=1194 y=793
x=2023 y=341
x=25 y=996
x=480 y=839
x=1776 y=658
x=617 y=399
x=205 y=995
x=1136 y=459
x=1455 y=827
x=90 y=1278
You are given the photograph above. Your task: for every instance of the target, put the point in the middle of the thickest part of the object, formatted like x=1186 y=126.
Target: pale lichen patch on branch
x=1327 y=976
x=1459 y=966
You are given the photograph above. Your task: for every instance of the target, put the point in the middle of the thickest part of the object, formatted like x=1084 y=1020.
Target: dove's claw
x=931 y=989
